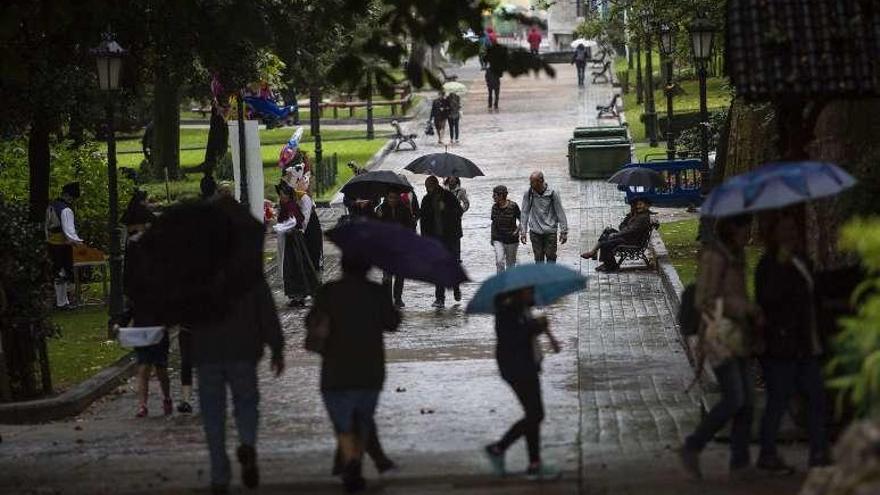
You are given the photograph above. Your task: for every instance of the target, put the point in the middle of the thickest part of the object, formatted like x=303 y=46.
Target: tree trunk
x=38 y=164
x=166 y=126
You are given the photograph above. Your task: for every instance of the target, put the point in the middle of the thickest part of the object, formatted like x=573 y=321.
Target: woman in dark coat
x=785 y=290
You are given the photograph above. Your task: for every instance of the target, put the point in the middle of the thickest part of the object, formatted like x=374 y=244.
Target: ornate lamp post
x=702 y=37
x=667 y=47
x=108 y=56
x=650 y=115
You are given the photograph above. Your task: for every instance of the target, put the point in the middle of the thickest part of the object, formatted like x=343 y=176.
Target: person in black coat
x=493 y=84
x=440 y=218
x=634 y=229
x=393 y=210
x=785 y=289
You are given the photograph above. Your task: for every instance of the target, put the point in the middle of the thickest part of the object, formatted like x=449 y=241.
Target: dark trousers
x=608 y=246
x=783 y=377
x=184 y=341
x=580 y=70
x=494 y=90
x=61 y=256
x=394 y=285
x=528 y=391
x=454 y=247
x=544 y=247
x=372 y=447
x=737 y=402
x=453 y=127
x=533 y=50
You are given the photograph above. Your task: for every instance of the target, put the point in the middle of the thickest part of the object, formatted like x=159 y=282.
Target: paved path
x=615 y=397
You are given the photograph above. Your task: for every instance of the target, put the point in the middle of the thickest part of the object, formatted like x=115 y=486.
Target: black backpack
x=688 y=317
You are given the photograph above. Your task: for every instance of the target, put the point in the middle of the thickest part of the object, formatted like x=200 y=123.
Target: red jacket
x=534 y=38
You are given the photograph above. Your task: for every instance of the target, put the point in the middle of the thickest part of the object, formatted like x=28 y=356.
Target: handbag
x=723 y=337
x=429 y=129
x=317 y=331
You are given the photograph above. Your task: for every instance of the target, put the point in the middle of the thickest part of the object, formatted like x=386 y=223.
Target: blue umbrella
x=549 y=280
x=776 y=185
x=398 y=250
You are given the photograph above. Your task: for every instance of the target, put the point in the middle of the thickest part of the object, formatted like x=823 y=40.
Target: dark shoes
x=496 y=459
x=385 y=465
x=606 y=268
x=250 y=474
x=352 y=479
x=399 y=303
x=690 y=461
x=589 y=255
x=774 y=465
x=184 y=407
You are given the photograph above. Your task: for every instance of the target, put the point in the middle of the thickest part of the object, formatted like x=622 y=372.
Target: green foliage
x=855 y=366
x=85 y=164
x=82 y=349
x=689 y=139
x=26 y=283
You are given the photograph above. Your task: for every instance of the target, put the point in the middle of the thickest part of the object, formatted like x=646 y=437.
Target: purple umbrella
x=398 y=250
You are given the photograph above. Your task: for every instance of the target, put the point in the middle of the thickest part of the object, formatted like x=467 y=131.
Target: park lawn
x=717 y=97
x=379 y=111
x=681 y=243
x=82 y=348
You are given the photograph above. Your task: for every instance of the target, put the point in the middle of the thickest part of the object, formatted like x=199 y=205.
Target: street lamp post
x=702 y=33
x=108 y=56
x=650 y=109
x=667 y=47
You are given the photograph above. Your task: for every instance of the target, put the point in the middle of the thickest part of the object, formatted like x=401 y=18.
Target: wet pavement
x=615 y=398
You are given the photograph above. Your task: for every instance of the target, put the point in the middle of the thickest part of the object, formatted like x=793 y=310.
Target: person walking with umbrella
x=393 y=210
x=505 y=215
x=441 y=219
x=542 y=217
x=579 y=59
x=346 y=326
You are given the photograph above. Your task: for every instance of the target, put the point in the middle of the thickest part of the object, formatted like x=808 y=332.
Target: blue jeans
x=737 y=402
x=783 y=377
x=241 y=377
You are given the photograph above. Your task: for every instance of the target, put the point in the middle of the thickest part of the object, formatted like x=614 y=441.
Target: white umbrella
x=454 y=87
x=587 y=43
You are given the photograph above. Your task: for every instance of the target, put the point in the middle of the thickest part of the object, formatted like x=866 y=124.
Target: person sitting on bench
x=634 y=229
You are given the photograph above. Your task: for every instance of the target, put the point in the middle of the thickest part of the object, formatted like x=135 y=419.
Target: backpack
x=688 y=317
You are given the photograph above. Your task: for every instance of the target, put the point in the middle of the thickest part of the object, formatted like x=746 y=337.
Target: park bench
x=203 y=111
x=636 y=252
x=599 y=62
x=603 y=73
x=609 y=110
x=399 y=137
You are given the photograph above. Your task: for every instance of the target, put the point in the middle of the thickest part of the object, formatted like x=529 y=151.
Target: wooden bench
x=636 y=252
x=203 y=111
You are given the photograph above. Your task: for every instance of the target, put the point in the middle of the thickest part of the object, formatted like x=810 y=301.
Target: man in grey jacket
x=542 y=216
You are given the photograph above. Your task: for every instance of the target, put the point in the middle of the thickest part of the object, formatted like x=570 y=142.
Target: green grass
x=340 y=142
x=379 y=111
x=684 y=250
x=82 y=349
x=717 y=96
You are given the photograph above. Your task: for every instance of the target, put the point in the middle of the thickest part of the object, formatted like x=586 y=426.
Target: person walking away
x=493 y=84
x=725 y=341
x=542 y=217
x=440 y=218
x=505 y=231
x=439 y=115
x=297 y=272
x=579 y=59
x=534 y=39
x=453 y=101
x=137 y=218
x=351 y=316
x=453 y=184
x=61 y=236
x=516 y=352
x=634 y=229
x=785 y=290
x=394 y=211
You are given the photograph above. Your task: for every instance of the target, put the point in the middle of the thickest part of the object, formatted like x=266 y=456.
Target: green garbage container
x=598 y=161
x=573 y=144
x=600 y=132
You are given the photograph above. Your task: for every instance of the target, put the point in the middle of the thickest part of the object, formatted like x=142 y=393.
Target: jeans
x=453 y=128
x=241 y=377
x=494 y=90
x=394 y=285
x=737 y=402
x=783 y=377
x=528 y=391
x=505 y=255
x=580 y=70
x=544 y=247
x=454 y=247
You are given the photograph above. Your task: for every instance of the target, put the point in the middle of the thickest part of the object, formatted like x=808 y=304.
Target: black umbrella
x=398 y=250
x=444 y=165
x=637 y=177
x=373 y=184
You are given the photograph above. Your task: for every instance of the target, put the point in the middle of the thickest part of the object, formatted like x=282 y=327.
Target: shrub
x=85 y=164
x=856 y=361
x=689 y=139
x=25 y=276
